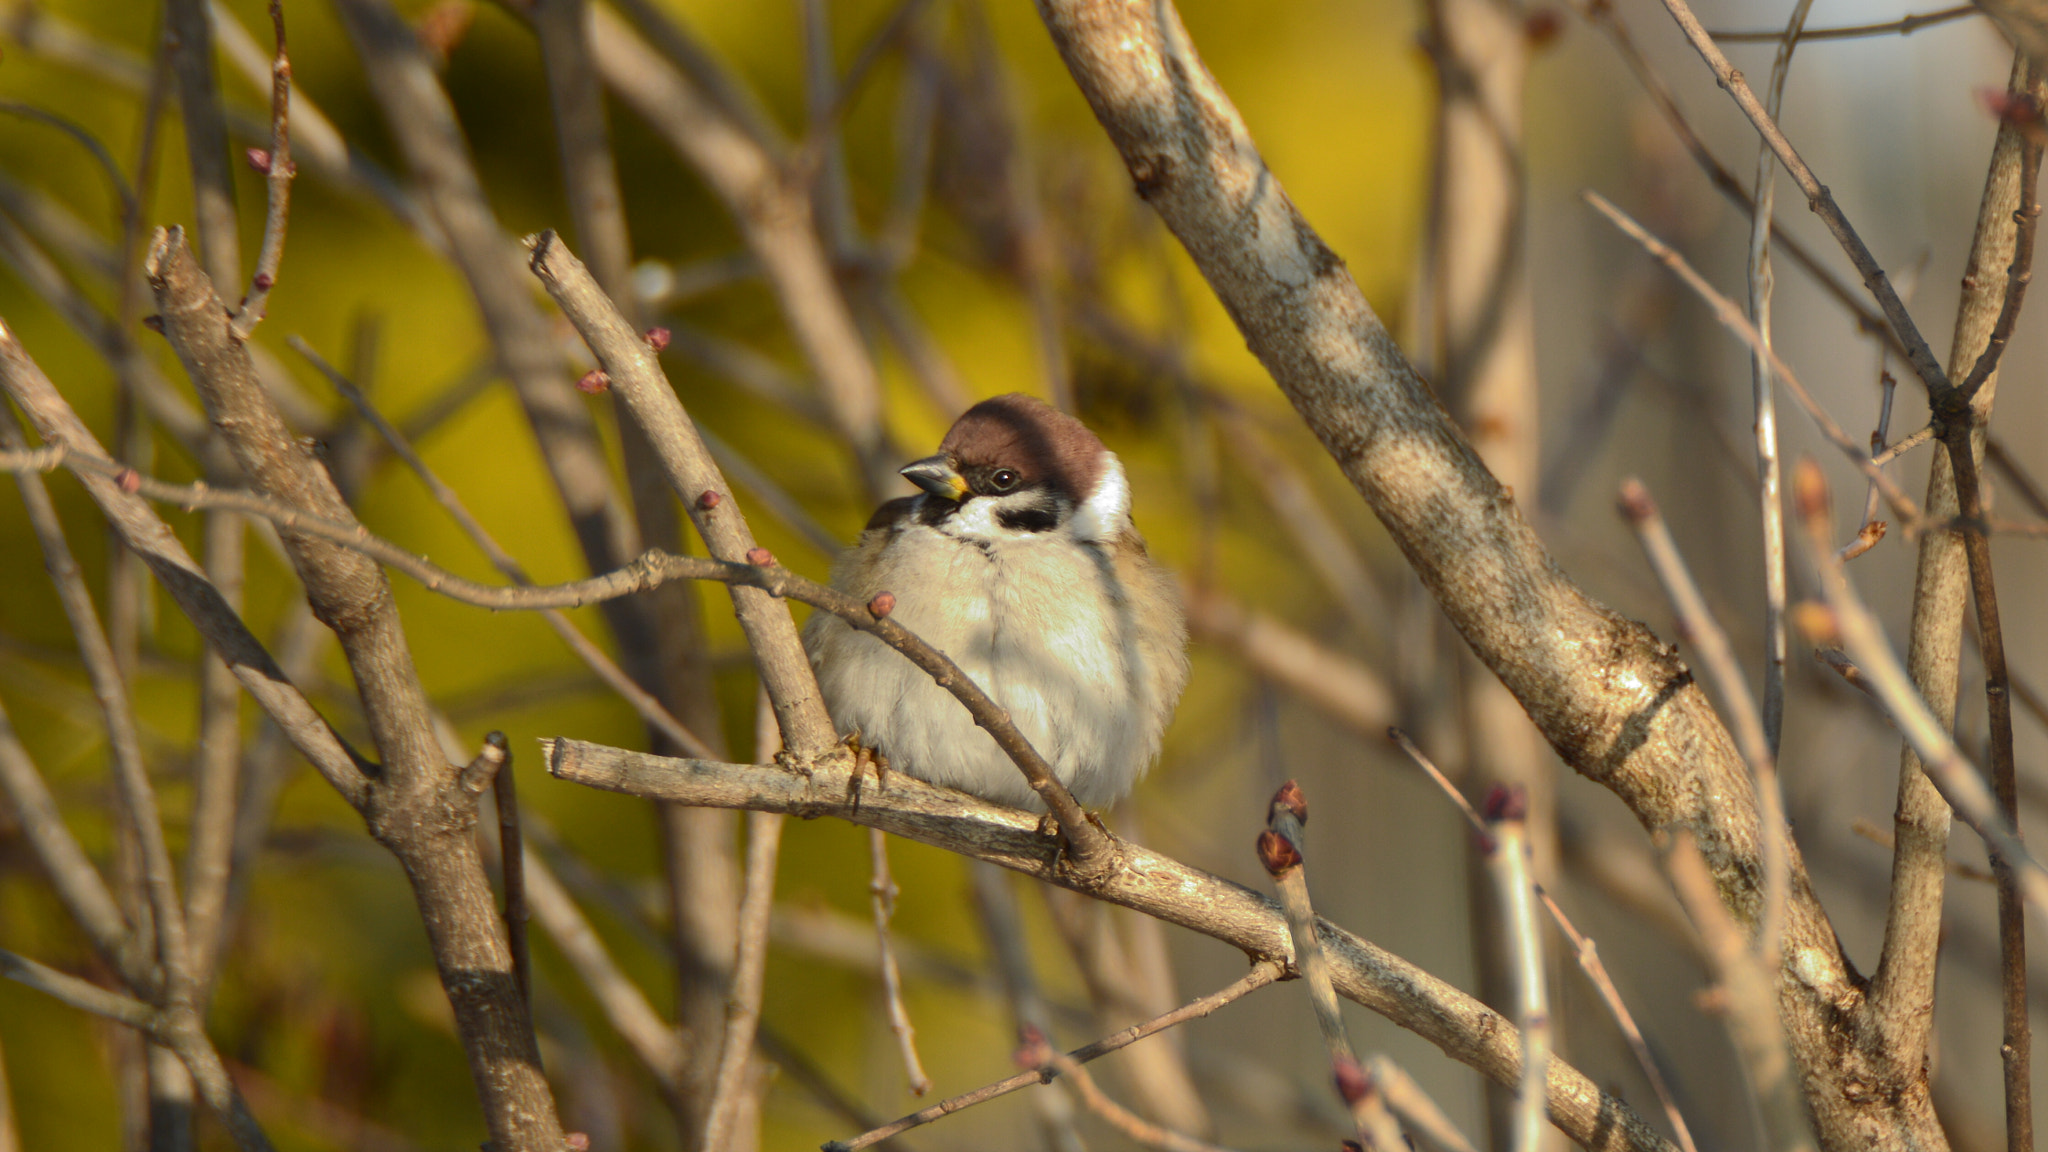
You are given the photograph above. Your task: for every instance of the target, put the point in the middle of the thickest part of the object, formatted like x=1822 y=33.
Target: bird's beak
x=935 y=474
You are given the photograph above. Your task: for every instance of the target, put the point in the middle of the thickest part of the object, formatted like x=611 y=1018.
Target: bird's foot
x=805 y=764
x=864 y=756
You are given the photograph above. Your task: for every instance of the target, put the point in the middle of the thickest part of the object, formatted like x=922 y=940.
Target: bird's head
x=1014 y=466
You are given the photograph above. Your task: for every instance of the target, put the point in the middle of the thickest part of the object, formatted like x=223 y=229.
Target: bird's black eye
x=1003 y=479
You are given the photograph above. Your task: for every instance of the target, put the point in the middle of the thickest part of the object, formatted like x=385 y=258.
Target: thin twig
x=1873 y=529
x=1697 y=623
x=1587 y=952
x=2017 y=1046
x=1280 y=849
x=634 y=370
x=1262 y=974
x=882 y=895
x=1134 y=1127
x=1959 y=781
x=749 y=975
x=648 y=571
x=1726 y=311
x=650 y=709
x=216 y=768
x=1751 y=998
x=80 y=994
x=1507 y=856
x=278 y=168
x=206 y=139
x=1416 y=1110
x=1771 y=503
x=1901 y=27
x=173 y=986
x=1894 y=451
x=1822 y=201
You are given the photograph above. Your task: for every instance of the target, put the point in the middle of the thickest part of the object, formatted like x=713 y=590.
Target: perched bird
x=1019 y=561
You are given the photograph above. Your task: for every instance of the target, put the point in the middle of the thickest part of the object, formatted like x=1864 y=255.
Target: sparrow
x=1019 y=560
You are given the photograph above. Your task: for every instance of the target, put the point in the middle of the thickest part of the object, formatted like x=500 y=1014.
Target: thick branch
x=635 y=371
x=1612 y=699
x=1147 y=882
x=417 y=807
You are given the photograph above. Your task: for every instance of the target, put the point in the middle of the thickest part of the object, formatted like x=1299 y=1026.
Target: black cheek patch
x=1028 y=519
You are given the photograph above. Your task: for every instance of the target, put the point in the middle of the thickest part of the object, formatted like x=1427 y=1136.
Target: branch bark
x=414 y=805
x=1147 y=882
x=1613 y=700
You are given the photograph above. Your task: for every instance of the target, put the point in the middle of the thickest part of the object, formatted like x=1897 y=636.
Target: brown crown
x=1042 y=443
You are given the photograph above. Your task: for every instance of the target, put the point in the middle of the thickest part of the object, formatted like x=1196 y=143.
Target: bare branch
x=417 y=787
x=635 y=372
x=1698 y=624
x=743 y=1002
x=1145 y=881
x=1507 y=857
x=1959 y=781
x=190 y=29
x=1731 y=316
x=1753 y=1015
x=1904 y=26
x=278 y=168
x=1609 y=697
x=1587 y=953
x=1263 y=973
x=1903 y=988
x=150 y=538
x=882 y=895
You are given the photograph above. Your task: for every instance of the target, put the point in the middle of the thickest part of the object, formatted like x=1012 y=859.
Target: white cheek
x=976 y=520
x=1104 y=514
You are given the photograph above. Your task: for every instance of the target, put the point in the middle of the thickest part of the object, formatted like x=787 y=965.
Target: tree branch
x=1145 y=881
x=1611 y=698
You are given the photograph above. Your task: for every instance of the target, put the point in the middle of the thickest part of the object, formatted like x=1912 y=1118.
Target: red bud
x=1505 y=802
x=1291 y=797
x=593 y=382
x=2013 y=108
x=129 y=481
x=1635 y=501
x=1277 y=853
x=709 y=500
x=1542 y=26
x=883 y=604
x=259 y=159
x=1353 y=1082
x=760 y=558
x=153 y=323
x=262 y=281
x=657 y=338
x=1032 y=1050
